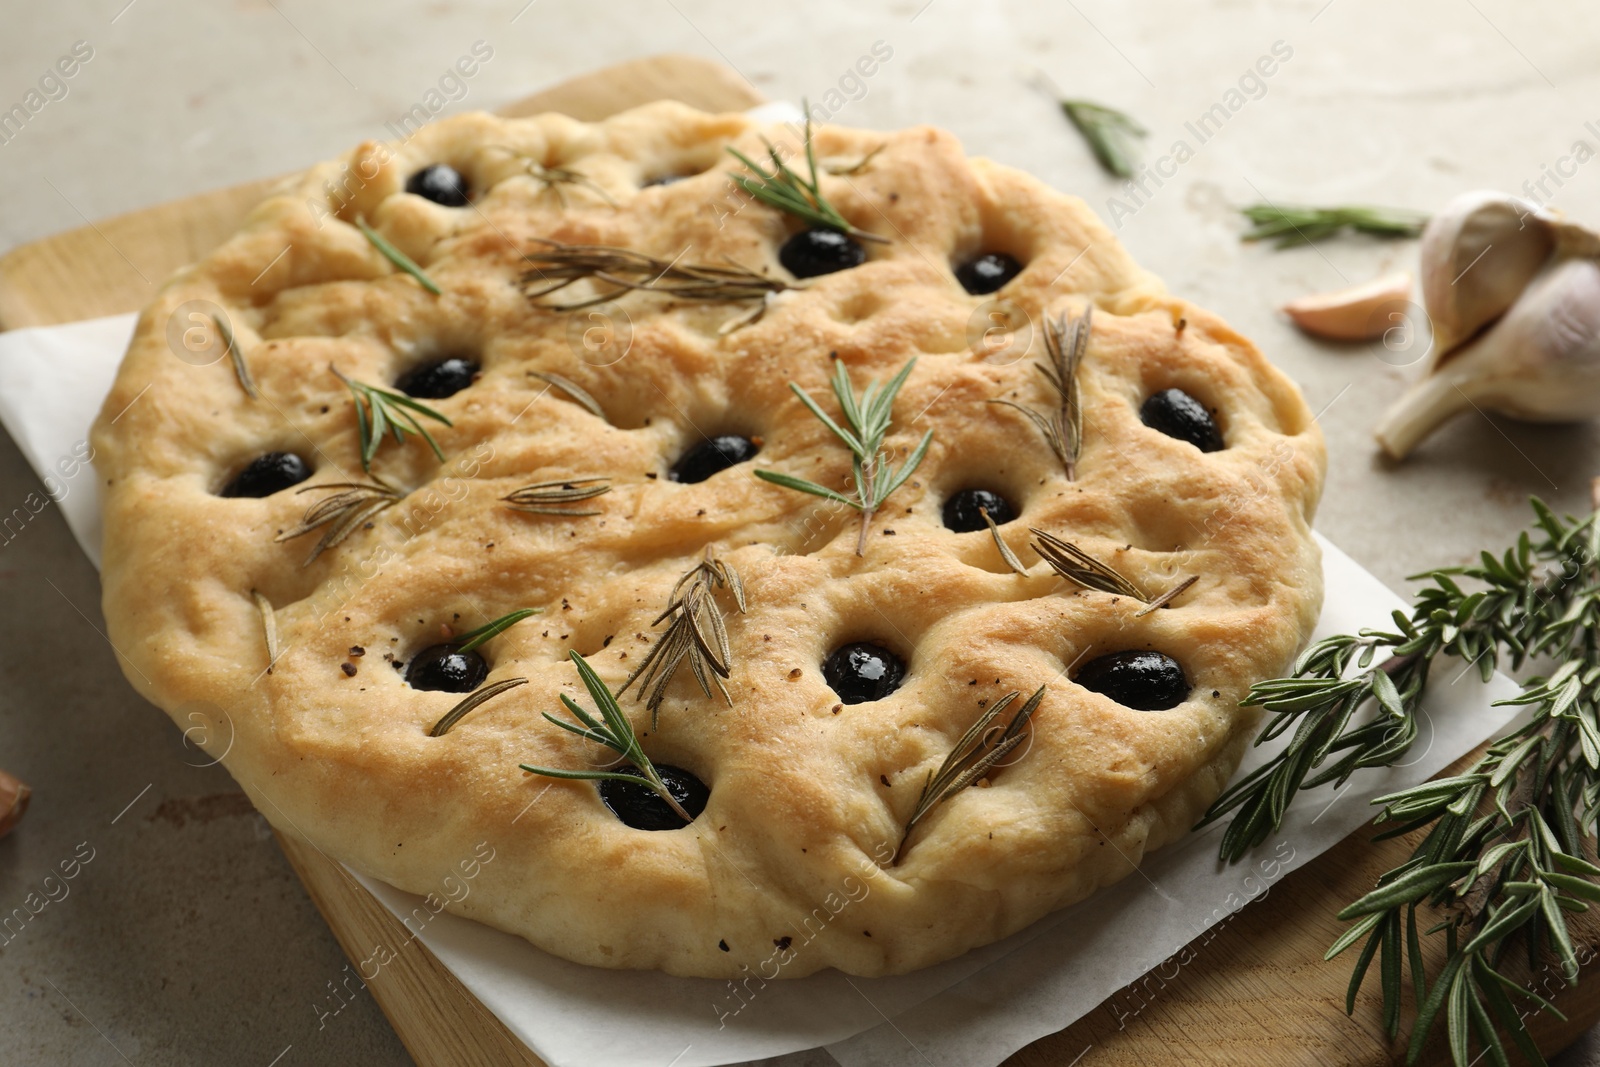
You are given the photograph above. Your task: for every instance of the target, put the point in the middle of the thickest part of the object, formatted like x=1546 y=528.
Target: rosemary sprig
x=572 y=389
x=470 y=702
x=352 y=505
x=1507 y=852
x=1076 y=565
x=382 y=411
x=1006 y=554
x=979 y=749
x=397 y=257
x=269 y=626
x=785 y=190
x=869 y=417
x=560 y=265
x=557 y=497
x=556 y=177
x=1290 y=224
x=696 y=633
x=612 y=730
x=240 y=369
x=473 y=638
x=1112 y=136
x=1066 y=339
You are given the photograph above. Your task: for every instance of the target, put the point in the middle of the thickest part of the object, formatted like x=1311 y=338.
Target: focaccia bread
x=851 y=676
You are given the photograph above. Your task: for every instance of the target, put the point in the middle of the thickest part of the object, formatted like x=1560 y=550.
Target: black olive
x=435 y=381
x=642 y=808
x=988 y=272
x=860 y=671
x=712 y=455
x=446 y=669
x=820 y=251
x=440 y=183
x=1177 y=414
x=267 y=474
x=961 y=510
x=1143 y=681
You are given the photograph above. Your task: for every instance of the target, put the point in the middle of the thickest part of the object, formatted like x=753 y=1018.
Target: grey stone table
x=185 y=939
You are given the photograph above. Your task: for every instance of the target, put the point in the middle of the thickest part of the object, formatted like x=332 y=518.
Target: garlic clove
x=1540 y=362
x=1360 y=313
x=13 y=802
x=1478 y=255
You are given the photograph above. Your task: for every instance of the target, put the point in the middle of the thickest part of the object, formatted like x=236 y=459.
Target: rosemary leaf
x=572 y=389
x=1066 y=340
x=1076 y=565
x=473 y=638
x=696 y=633
x=343 y=513
x=240 y=369
x=554 y=178
x=979 y=749
x=1112 y=136
x=1006 y=554
x=556 y=497
x=614 y=731
x=869 y=417
x=269 y=626
x=1168 y=597
x=1289 y=224
x=381 y=412
x=786 y=190
x=555 y=266
x=472 y=700
x=397 y=257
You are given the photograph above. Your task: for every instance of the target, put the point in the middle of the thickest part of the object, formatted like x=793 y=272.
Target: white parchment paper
x=968 y=1012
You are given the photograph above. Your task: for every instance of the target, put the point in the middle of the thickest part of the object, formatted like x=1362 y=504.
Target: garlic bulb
x=1513 y=294
x=1540 y=362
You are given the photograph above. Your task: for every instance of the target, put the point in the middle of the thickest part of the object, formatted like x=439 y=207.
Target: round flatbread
x=792 y=866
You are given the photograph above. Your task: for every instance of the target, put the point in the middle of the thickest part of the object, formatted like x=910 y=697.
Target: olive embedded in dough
x=712 y=456
x=1141 y=680
x=1177 y=414
x=446 y=669
x=439 y=379
x=988 y=272
x=861 y=671
x=440 y=183
x=820 y=251
x=268 y=474
x=642 y=808
x=961 y=512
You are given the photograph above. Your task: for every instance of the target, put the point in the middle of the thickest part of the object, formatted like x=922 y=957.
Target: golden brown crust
x=807 y=801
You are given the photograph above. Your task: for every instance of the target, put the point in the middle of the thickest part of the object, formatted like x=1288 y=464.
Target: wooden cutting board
x=1252 y=991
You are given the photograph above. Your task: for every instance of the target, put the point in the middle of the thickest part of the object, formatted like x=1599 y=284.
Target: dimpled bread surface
x=790 y=868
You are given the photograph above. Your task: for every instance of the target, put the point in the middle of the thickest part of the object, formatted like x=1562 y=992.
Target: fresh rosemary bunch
x=614 y=731
x=868 y=416
x=1289 y=225
x=785 y=190
x=1508 y=851
x=1112 y=136
x=382 y=411
x=1066 y=339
